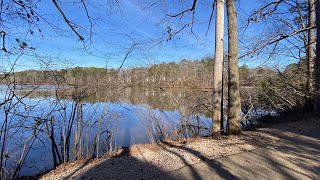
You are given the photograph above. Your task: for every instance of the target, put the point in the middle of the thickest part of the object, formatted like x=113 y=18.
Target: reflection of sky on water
x=127 y=121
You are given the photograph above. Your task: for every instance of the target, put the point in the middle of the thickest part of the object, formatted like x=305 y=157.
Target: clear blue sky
x=115 y=29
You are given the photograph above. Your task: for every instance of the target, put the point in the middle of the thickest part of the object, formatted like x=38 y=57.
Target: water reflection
x=162 y=98
x=97 y=120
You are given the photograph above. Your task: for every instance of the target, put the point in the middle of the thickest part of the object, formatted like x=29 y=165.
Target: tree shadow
x=198 y=173
x=122 y=166
x=295 y=156
x=291 y=158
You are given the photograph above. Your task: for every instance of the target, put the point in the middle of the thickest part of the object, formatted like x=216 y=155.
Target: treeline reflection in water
x=49 y=126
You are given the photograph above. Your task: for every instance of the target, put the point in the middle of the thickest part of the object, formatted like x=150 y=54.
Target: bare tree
x=234 y=103
x=292 y=36
x=218 y=69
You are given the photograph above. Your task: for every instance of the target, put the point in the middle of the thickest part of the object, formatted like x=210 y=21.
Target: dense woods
x=278 y=89
x=187 y=73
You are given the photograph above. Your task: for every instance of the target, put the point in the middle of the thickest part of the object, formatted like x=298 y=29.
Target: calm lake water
x=126 y=116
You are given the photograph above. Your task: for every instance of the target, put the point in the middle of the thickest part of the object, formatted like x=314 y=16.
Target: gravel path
x=203 y=158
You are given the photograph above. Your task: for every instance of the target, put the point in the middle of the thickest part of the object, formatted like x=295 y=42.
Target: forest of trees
x=284 y=89
x=187 y=74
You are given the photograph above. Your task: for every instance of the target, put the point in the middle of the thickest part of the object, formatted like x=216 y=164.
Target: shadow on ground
x=295 y=156
x=120 y=167
x=127 y=167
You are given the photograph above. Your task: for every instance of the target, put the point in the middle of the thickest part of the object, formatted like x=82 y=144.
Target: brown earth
x=174 y=160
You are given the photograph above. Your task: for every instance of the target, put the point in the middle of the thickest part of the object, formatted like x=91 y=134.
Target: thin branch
x=186 y=10
x=3 y=34
x=89 y=18
x=176 y=32
x=67 y=20
x=211 y=16
x=126 y=56
x=262 y=15
x=154 y=3
x=1 y=5
x=282 y=37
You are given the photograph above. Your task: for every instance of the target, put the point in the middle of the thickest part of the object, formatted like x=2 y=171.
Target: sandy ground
x=160 y=160
x=296 y=157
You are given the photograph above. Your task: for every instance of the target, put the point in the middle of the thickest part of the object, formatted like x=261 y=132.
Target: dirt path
x=289 y=152
x=295 y=157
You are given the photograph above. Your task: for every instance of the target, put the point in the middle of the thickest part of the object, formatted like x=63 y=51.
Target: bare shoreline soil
x=142 y=161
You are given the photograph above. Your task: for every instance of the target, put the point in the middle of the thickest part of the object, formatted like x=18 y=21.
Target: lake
x=87 y=122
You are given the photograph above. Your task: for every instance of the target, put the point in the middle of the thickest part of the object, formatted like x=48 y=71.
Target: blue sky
x=116 y=29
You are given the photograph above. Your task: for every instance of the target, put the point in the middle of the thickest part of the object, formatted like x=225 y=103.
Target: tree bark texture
x=218 y=69
x=311 y=45
x=234 y=104
x=317 y=60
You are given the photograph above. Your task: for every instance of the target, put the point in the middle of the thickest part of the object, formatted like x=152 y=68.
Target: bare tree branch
x=276 y=40
x=89 y=18
x=211 y=16
x=126 y=56
x=186 y=10
x=67 y=20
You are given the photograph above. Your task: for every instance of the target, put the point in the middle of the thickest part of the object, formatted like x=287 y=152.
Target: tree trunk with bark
x=234 y=104
x=317 y=60
x=218 y=69
x=311 y=54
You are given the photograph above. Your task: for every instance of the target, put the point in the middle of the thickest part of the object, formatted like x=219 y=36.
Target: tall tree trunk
x=317 y=60
x=310 y=53
x=234 y=107
x=218 y=69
